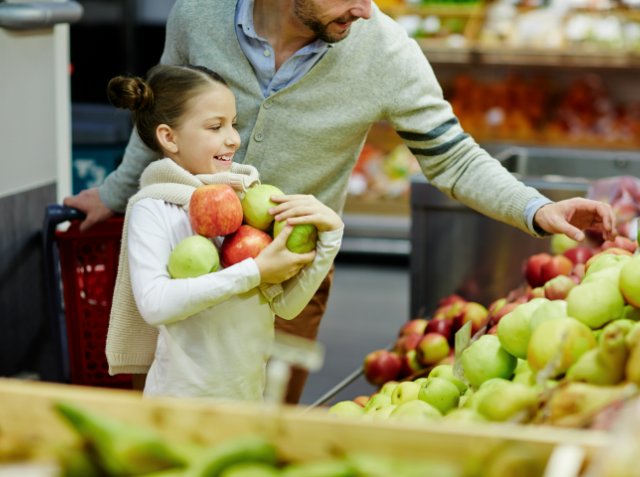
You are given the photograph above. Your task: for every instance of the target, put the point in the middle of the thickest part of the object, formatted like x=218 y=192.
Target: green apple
x=630 y=312
x=476 y=397
x=384 y=412
x=246 y=469
x=513 y=328
x=387 y=388
x=548 y=311
x=521 y=367
x=503 y=402
x=465 y=415
x=303 y=237
x=605 y=261
x=415 y=411
x=563 y=338
x=441 y=394
x=256 y=204
x=445 y=371
x=405 y=392
x=422 y=381
x=378 y=407
x=630 y=282
x=193 y=257
x=486 y=359
x=560 y=243
x=376 y=401
x=610 y=275
x=464 y=397
x=595 y=304
x=346 y=409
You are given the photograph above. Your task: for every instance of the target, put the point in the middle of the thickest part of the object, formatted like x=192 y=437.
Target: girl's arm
x=306 y=209
x=161 y=299
x=299 y=290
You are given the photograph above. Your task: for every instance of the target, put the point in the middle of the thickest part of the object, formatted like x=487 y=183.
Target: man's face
x=330 y=20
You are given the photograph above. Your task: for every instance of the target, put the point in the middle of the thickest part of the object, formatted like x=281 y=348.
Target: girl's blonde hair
x=162 y=98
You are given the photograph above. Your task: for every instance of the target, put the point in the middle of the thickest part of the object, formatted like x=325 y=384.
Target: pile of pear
x=589 y=342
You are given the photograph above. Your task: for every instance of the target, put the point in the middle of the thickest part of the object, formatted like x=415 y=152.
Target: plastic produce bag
x=623 y=194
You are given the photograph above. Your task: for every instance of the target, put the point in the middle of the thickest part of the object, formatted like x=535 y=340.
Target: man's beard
x=306 y=12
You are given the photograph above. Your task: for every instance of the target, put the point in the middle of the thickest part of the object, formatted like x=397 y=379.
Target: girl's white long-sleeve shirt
x=215 y=330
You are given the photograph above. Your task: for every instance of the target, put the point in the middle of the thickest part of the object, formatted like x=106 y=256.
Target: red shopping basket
x=88 y=268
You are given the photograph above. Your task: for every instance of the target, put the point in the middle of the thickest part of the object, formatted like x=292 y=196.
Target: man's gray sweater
x=306 y=138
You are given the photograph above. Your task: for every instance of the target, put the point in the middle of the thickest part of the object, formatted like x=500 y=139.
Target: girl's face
x=207 y=138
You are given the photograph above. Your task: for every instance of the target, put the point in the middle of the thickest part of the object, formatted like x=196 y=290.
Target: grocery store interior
x=547 y=87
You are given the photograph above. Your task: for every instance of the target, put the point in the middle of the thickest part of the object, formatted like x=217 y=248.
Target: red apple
x=410 y=364
x=450 y=360
x=622 y=243
x=361 y=400
x=493 y=330
x=578 y=271
x=381 y=366
x=247 y=242
x=450 y=300
x=505 y=310
x=416 y=326
x=474 y=312
x=215 y=210
x=448 y=311
x=407 y=343
x=533 y=270
x=522 y=300
x=558 y=265
x=432 y=348
x=559 y=287
x=444 y=327
x=579 y=254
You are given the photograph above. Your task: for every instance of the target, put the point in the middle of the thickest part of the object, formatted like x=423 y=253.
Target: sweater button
x=268 y=104
x=259 y=136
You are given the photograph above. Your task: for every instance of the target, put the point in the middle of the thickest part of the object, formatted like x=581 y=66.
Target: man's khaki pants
x=305 y=325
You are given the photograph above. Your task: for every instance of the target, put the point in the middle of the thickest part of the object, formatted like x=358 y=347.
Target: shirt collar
x=245 y=23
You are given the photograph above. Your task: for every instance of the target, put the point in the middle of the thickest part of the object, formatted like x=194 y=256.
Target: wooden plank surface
x=26 y=409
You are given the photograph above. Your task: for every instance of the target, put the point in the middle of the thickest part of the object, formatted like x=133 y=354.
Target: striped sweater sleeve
x=450 y=159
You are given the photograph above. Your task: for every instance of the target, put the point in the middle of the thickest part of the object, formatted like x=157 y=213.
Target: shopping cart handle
x=56 y=214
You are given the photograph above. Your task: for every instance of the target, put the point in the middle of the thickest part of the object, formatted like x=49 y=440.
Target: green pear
x=256 y=204
x=632 y=368
x=346 y=409
x=514 y=328
x=415 y=411
x=486 y=359
x=250 y=469
x=405 y=392
x=501 y=403
x=583 y=398
x=303 y=237
x=595 y=304
x=377 y=400
x=565 y=339
x=193 y=257
x=604 y=365
x=441 y=394
x=120 y=449
x=630 y=281
x=631 y=313
x=384 y=412
x=322 y=468
x=445 y=371
x=465 y=415
x=633 y=336
x=388 y=388
x=622 y=325
x=610 y=275
x=548 y=311
x=522 y=367
x=606 y=261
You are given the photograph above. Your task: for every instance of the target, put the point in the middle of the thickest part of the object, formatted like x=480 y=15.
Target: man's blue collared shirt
x=260 y=54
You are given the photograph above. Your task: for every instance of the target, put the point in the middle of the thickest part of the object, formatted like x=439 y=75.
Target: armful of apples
x=571 y=217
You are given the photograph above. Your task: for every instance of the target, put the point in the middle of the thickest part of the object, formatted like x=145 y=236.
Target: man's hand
x=305 y=209
x=571 y=217
x=277 y=263
x=89 y=202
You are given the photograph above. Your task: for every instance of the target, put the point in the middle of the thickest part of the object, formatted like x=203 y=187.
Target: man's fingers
x=86 y=224
x=572 y=232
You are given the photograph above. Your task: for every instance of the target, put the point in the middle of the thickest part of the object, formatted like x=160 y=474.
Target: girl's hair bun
x=129 y=93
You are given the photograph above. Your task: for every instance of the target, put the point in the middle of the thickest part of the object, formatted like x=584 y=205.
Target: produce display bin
x=27 y=409
x=457 y=250
x=88 y=266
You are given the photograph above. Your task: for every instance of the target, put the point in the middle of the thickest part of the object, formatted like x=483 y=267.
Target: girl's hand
x=305 y=209
x=277 y=263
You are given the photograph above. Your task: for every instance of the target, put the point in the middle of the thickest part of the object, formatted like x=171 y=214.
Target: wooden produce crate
x=26 y=410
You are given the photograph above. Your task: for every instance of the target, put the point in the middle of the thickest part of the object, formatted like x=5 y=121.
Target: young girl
x=214 y=330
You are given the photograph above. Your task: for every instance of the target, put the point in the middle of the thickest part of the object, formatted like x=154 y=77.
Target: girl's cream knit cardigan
x=131 y=342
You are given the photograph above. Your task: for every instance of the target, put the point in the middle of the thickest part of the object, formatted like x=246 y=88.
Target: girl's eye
x=215 y=128
x=235 y=125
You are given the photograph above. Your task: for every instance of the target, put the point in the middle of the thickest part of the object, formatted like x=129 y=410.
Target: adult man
x=310 y=77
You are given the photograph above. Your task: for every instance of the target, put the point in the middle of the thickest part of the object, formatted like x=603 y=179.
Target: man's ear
x=166 y=138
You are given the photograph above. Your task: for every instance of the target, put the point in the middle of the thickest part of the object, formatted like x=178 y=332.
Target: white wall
x=154 y=12
x=35 y=137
